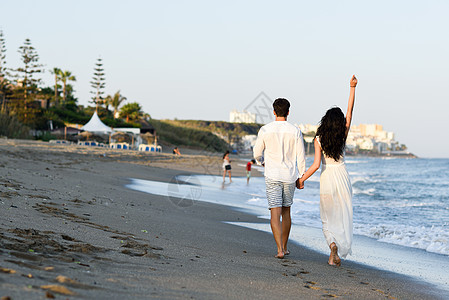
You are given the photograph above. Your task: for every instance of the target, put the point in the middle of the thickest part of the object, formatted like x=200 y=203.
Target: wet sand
x=71 y=229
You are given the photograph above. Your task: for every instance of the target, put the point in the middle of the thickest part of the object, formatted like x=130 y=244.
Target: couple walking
x=280 y=148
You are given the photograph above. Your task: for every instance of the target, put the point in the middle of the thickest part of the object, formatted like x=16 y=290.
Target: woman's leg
x=334 y=259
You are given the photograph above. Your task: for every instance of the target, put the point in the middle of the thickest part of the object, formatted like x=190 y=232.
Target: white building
x=249 y=141
x=241 y=117
x=366 y=144
x=308 y=128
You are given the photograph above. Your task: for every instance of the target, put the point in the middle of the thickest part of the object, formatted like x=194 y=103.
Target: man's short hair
x=281 y=107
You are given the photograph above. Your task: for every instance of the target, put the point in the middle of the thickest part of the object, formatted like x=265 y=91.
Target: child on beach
x=176 y=151
x=248 y=169
x=280 y=148
x=335 y=186
x=226 y=166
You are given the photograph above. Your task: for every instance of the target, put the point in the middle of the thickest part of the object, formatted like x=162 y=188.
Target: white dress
x=336 y=204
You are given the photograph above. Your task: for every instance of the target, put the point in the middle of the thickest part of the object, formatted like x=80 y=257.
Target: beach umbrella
x=148 y=137
x=122 y=137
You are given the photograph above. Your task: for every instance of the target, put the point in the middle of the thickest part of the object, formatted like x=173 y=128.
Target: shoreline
x=367 y=251
x=94 y=237
x=382 y=155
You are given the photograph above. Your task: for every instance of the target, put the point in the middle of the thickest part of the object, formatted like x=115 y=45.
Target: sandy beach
x=70 y=229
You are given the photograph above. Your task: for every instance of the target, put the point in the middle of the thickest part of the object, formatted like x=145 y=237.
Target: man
x=280 y=148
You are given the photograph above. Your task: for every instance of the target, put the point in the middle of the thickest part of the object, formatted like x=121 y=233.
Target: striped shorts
x=279 y=194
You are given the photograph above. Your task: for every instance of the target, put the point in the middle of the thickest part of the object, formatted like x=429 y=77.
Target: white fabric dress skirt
x=336 y=204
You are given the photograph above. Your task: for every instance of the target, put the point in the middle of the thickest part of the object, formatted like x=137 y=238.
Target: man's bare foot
x=335 y=260
x=280 y=255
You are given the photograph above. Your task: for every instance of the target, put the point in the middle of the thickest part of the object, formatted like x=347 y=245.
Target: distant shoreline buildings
x=363 y=139
x=242 y=117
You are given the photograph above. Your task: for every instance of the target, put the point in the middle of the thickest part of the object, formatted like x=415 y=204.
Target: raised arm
x=353 y=84
x=315 y=166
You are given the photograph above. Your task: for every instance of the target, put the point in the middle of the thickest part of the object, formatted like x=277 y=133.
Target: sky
x=202 y=59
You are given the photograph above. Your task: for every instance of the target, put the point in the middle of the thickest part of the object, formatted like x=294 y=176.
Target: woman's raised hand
x=353 y=81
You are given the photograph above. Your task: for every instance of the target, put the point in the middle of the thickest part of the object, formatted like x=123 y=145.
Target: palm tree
x=107 y=101
x=131 y=111
x=66 y=76
x=56 y=72
x=115 y=101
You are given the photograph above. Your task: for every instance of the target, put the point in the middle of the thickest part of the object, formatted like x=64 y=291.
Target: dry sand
x=71 y=229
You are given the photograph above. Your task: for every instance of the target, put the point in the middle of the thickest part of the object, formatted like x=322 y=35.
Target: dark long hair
x=332 y=133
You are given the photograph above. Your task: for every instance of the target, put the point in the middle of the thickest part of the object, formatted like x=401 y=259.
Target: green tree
x=70 y=98
x=131 y=111
x=115 y=101
x=65 y=76
x=98 y=83
x=4 y=82
x=56 y=72
x=31 y=66
x=27 y=90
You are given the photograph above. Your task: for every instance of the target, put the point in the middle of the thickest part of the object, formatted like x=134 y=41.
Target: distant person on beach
x=335 y=186
x=248 y=169
x=280 y=148
x=226 y=166
x=176 y=151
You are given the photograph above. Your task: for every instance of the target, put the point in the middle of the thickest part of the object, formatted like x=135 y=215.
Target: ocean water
x=401 y=211
x=398 y=201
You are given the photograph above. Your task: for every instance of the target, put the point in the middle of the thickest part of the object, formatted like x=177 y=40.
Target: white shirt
x=280 y=147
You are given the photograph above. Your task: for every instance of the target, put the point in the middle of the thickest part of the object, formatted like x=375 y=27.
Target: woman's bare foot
x=280 y=255
x=334 y=259
x=286 y=252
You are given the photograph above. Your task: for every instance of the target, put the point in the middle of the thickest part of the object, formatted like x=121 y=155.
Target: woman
x=226 y=166
x=335 y=187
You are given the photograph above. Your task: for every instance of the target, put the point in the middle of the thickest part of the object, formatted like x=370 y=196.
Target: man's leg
x=276 y=228
x=286 y=225
x=288 y=190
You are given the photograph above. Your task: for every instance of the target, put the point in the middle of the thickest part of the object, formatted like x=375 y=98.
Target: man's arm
x=300 y=155
x=259 y=148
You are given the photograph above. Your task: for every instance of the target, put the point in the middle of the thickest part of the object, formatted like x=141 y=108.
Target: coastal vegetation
x=27 y=105
x=29 y=109
x=219 y=127
x=12 y=128
x=174 y=133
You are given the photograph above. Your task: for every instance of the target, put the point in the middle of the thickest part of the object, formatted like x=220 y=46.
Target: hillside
x=218 y=127
x=178 y=135
x=207 y=135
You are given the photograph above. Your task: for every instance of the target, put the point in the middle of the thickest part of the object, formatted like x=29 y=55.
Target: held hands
x=299 y=184
x=353 y=81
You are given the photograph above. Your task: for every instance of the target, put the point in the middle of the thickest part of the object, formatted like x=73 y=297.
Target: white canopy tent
x=95 y=125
